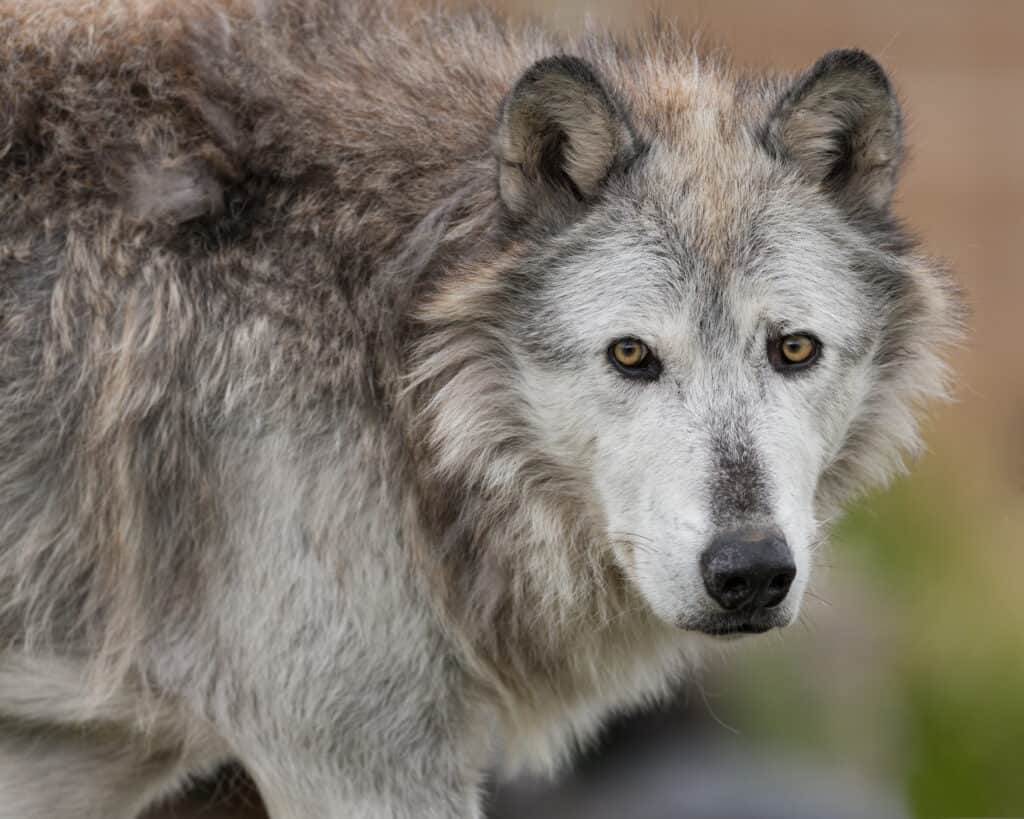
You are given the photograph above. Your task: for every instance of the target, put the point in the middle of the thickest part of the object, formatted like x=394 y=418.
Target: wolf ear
x=560 y=136
x=841 y=124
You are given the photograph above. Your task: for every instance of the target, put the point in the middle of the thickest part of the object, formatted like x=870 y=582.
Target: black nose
x=748 y=569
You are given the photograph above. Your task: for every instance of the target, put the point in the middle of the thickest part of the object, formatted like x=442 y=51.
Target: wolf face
x=705 y=454
x=709 y=314
x=700 y=342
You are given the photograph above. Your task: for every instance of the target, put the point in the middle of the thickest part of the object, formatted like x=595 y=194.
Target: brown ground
x=959 y=66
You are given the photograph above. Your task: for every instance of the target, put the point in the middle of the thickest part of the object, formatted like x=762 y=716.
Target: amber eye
x=633 y=358
x=793 y=351
x=629 y=352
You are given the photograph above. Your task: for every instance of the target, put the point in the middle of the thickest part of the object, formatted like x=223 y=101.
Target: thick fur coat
x=298 y=463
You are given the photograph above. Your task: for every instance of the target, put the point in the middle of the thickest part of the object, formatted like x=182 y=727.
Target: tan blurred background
x=908 y=671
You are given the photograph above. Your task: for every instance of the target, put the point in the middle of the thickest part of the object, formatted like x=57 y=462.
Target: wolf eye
x=629 y=352
x=634 y=359
x=793 y=352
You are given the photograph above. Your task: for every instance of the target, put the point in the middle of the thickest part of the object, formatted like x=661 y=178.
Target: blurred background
x=901 y=693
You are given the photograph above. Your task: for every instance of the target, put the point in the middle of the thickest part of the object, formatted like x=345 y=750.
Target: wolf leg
x=294 y=791
x=89 y=773
x=66 y=754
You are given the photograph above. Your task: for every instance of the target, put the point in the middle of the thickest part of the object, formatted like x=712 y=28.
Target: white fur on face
x=652 y=449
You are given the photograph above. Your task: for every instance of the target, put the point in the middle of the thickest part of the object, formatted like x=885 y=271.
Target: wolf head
x=707 y=328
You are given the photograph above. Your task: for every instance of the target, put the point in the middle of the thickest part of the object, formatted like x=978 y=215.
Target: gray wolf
x=387 y=396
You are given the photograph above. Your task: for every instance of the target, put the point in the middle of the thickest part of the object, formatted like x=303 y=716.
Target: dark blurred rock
x=674 y=763
x=690 y=782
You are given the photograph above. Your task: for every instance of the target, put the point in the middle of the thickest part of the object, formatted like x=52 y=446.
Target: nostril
x=778 y=588
x=732 y=591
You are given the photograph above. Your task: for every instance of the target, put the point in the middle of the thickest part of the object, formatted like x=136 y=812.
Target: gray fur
x=311 y=455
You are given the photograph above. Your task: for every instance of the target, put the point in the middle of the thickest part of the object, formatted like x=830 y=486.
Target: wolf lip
x=724 y=625
x=738 y=628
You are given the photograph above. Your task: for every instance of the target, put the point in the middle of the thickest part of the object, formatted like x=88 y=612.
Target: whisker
x=711 y=711
x=616 y=533
x=640 y=547
x=606 y=624
x=807 y=624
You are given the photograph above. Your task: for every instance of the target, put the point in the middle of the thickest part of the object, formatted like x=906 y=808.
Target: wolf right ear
x=840 y=123
x=560 y=136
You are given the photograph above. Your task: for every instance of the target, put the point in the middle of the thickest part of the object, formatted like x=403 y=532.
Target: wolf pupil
x=797 y=349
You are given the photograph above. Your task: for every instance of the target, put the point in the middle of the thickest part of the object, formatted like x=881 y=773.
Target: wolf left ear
x=841 y=124
x=560 y=136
